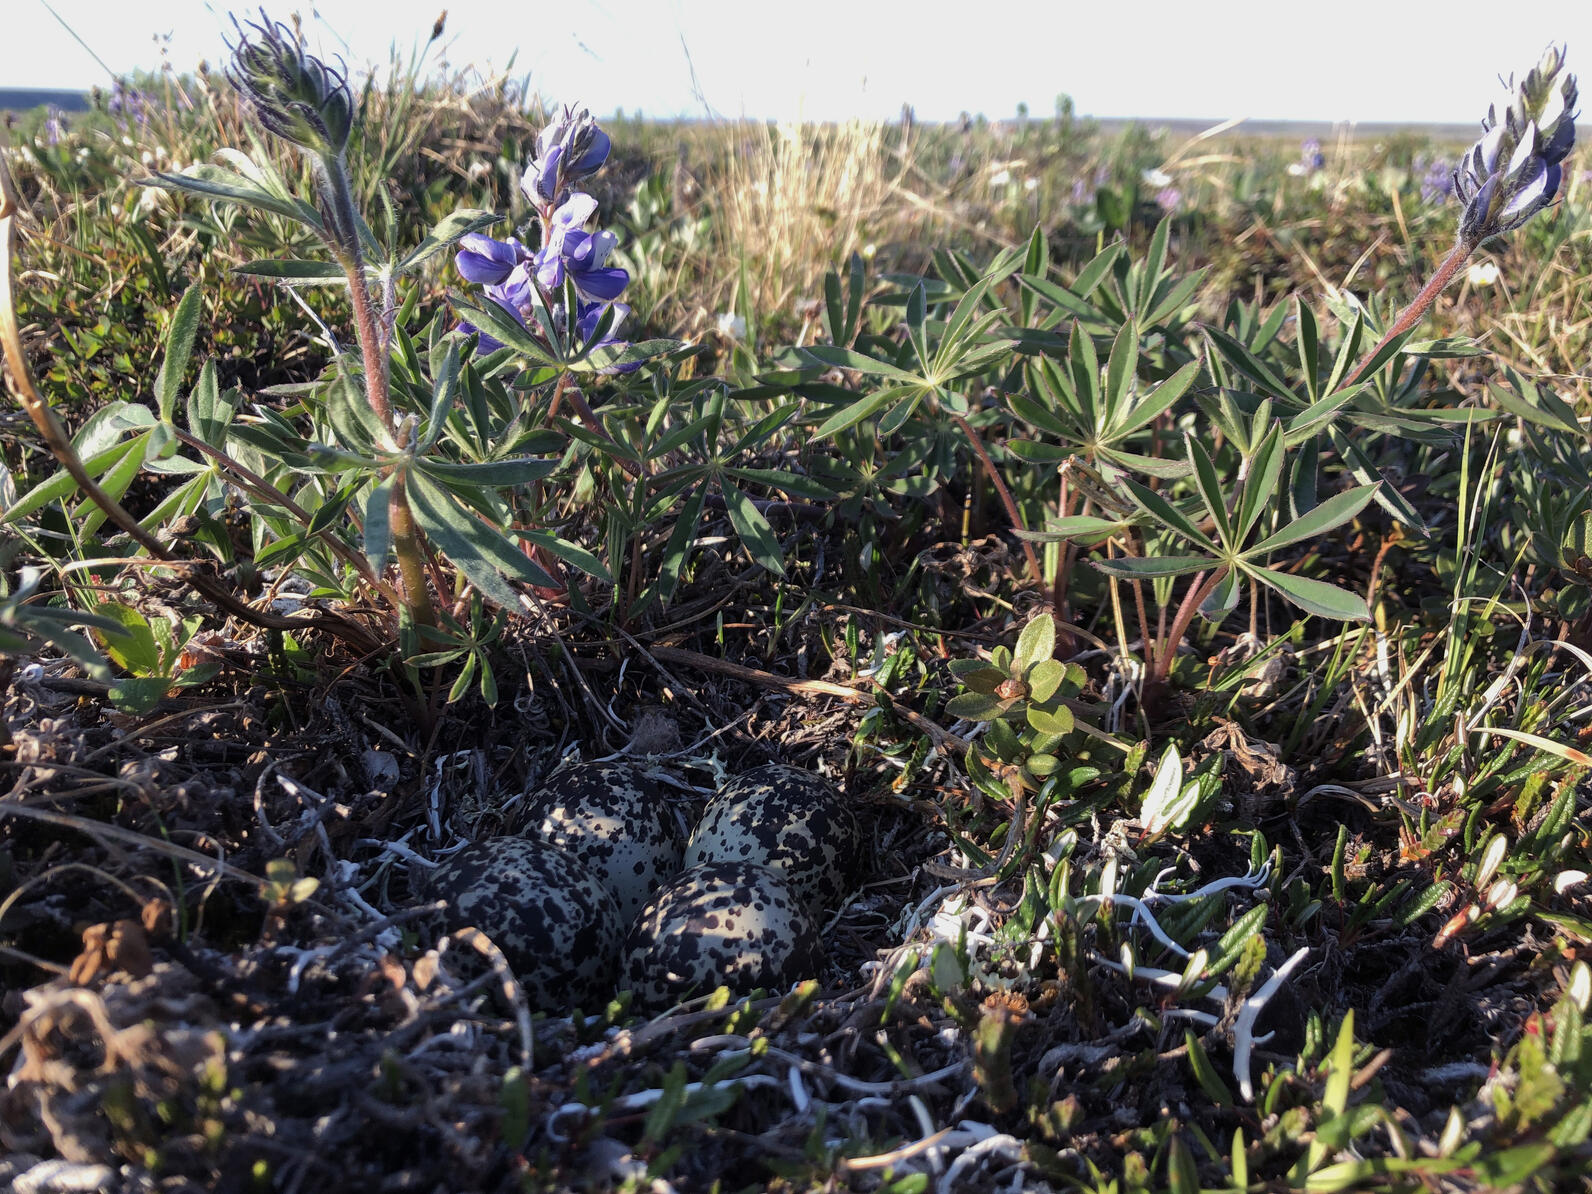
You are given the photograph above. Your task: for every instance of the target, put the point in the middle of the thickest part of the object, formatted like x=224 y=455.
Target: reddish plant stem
x=1166 y=650
x=1411 y=315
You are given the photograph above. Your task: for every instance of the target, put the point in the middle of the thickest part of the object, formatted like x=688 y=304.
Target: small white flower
x=1000 y=178
x=1482 y=273
x=1030 y=184
x=733 y=326
x=1156 y=178
x=1297 y=169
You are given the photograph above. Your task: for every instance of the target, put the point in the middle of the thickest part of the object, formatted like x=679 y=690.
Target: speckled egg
x=733 y=924
x=612 y=817
x=555 y=922
x=787 y=819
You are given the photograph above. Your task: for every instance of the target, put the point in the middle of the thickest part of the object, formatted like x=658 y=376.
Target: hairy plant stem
x=406 y=545
x=1411 y=315
x=1005 y=494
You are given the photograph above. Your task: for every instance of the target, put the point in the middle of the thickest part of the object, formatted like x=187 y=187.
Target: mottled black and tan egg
x=613 y=818
x=734 y=924
x=556 y=923
x=788 y=819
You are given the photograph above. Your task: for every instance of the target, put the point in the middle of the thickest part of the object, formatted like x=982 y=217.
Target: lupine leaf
x=1315 y=596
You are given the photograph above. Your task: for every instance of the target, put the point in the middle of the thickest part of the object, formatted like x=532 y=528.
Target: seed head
x=1514 y=170
x=294 y=94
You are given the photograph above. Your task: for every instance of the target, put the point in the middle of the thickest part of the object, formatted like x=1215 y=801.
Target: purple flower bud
x=569 y=149
x=294 y=94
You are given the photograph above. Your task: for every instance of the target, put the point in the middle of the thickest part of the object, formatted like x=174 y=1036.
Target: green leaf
x=497 y=322
x=1044 y=678
x=856 y=412
x=61 y=484
x=1314 y=596
x=1121 y=366
x=1075 y=526
x=1335 y=511
x=1163 y=512
x=517 y=470
x=613 y=356
x=1210 y=489
x=443 y=233
x=830 y=356
x=179 y=347
x=674 y=554
x=975 y=706
x=1265 y=467
x=570 y=553
x=132 y=645
x=292 y=269
x=754 y=530
x=228 y=186
x=1156 y=402
x=208 y=414
x=487 y=559
x=1051 y=721
x=1139 y=568
x=1309 y=345
x=1036 y=642
x=139 y=694
x=1252 y=367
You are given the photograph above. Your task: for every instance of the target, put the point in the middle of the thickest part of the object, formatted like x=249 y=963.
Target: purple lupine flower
x=489 y=262
x=579 y=255
x=1514 y=170
x=569 y=149
x=54 y=125
x=589 y=315
x=1310 y=155
x=1169 y=199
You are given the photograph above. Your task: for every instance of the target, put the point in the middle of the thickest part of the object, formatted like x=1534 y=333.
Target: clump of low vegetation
x=1177 y=551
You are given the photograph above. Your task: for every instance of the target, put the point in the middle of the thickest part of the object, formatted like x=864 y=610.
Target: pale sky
x=1354 y=60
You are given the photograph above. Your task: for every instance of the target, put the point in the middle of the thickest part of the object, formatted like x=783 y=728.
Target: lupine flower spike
x=518 y=280
x=1508 y=176
x=294 y=95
